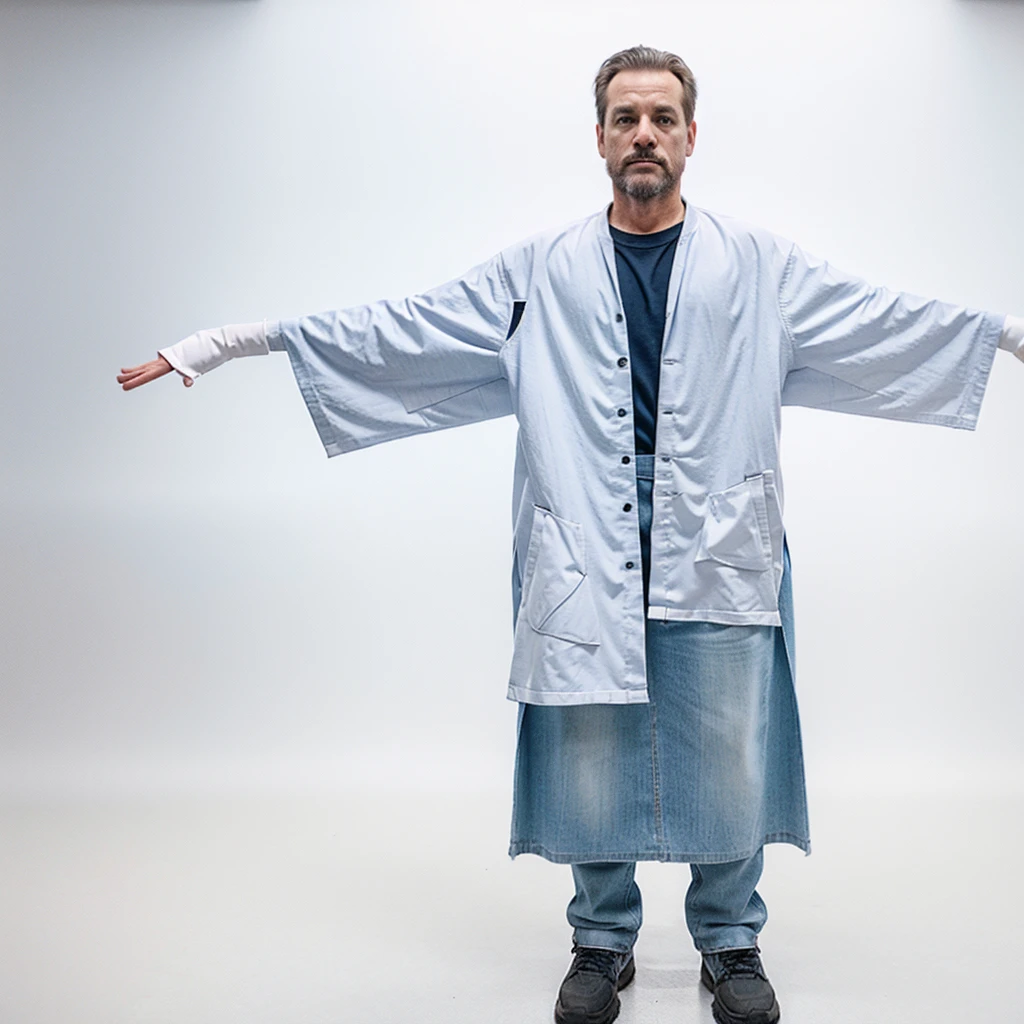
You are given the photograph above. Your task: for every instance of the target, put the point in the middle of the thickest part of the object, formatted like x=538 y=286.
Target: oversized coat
x=538 y=331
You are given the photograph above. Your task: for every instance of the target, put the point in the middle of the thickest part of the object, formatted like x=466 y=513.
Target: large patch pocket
x=736 y=528
x=556 y=597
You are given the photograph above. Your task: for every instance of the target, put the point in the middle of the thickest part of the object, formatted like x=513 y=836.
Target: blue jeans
x=723 y=909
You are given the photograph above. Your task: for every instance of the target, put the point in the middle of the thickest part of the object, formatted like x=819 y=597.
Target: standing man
x=646 y=352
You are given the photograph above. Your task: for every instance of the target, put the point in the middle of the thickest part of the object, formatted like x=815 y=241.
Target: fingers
x=139 y=379
x=126 y=376
x=135 y=376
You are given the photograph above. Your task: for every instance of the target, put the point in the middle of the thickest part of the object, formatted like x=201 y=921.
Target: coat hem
x=666 y=856
x=729 y=618
x=524 y=695
x=333 y=442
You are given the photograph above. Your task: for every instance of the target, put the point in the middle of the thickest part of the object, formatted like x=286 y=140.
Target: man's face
x=644 y=139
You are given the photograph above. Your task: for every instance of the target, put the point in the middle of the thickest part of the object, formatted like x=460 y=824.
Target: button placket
x=622 y=412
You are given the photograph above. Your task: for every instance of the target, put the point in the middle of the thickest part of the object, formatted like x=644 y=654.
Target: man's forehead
x=645 y=88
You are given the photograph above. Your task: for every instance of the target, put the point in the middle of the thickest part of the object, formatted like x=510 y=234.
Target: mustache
x=644 y=158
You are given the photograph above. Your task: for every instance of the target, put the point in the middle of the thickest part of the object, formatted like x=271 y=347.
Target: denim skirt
x=708 y=771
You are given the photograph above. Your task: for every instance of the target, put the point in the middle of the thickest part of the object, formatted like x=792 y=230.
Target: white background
x=255 y=751
x=194 y=597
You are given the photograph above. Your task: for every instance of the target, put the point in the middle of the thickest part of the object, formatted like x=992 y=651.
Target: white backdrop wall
x=195 y=597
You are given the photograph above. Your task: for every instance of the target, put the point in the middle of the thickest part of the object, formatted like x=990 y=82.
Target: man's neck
x=644 y=218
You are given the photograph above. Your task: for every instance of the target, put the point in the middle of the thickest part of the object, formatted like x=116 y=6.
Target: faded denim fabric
x=723 y=908
x=752 y=323
x=708 y=771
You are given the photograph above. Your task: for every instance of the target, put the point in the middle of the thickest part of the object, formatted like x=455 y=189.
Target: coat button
x=623 y=360
x=625 y=460
x=629 y=565
x=622 y=412
x=627 y=507
x=618 y=318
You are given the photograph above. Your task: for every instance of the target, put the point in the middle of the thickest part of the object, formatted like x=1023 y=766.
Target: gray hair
x=644 y=58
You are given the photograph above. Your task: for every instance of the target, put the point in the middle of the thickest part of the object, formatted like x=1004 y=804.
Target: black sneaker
x=743 y=994
x=590 y=991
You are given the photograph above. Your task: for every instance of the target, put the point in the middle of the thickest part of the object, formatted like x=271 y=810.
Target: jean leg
x=606 y=911
x=723 y=908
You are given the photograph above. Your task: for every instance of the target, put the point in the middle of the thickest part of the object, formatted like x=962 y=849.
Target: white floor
x=386 y=909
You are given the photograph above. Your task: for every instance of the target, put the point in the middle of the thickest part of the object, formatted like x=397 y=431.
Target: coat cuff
x=1013 y=336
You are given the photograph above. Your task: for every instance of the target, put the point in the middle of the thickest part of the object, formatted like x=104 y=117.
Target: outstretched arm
x=381 y=371
x=868 y=350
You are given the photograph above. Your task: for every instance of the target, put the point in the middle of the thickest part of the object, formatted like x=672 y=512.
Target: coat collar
x=605 y=235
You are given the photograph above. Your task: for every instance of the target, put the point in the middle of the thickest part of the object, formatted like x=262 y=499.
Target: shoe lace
x=740 y=961
x=594 y=961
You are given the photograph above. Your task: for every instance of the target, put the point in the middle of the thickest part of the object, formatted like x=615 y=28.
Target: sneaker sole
x=723 y=1016
x=607 y=1013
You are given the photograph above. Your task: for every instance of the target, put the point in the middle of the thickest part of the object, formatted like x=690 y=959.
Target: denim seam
x=686 y=857
x=514 y=829
x=726 y=949
x=659 y=824
x=636 y=917
x=690 y=902
x=610 y=949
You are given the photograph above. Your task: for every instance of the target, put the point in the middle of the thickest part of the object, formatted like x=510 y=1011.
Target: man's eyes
x=625 y=119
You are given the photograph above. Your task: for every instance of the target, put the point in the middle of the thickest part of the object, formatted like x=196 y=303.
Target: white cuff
x=1013 y=336
x=205 y=350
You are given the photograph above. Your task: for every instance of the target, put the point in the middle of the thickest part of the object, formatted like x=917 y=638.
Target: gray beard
x=642 y=189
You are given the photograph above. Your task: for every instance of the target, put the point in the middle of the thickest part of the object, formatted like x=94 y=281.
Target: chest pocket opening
x=556 y=598
x=736 y=529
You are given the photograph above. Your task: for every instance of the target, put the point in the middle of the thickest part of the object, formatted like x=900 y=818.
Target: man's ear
x=600 y=139
x=691 y=137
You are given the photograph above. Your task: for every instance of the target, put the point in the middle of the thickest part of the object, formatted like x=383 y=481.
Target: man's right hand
x=133 y=376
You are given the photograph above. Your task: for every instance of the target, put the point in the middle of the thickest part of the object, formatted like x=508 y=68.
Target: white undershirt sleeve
x=1013 y=336
x=203 y=351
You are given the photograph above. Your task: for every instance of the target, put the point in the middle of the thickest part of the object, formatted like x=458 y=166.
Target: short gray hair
x=644 y=58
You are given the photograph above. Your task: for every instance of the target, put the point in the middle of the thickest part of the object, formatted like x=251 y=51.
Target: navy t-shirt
x=644 y=264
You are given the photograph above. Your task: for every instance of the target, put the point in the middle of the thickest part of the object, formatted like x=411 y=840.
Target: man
x=646 y=353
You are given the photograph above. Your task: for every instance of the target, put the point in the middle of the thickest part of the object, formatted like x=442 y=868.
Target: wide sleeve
x=867 y=350
x=393 y=368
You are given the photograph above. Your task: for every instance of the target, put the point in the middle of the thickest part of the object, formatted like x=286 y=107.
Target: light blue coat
x=753 y=323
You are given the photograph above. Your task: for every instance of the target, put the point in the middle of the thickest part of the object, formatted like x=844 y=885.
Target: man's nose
x=644 y=133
